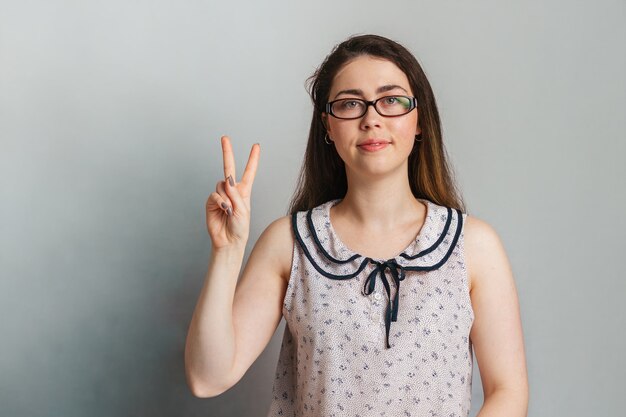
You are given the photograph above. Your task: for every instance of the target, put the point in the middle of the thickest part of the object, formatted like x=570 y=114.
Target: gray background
x=110 y=118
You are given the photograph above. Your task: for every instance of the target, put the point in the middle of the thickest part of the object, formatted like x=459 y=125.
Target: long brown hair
x=323 y=175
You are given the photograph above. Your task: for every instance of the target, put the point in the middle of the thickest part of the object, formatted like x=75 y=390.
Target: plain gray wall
x=110 y=118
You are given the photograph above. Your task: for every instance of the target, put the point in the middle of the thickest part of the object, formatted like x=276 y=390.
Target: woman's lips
x=373 y=146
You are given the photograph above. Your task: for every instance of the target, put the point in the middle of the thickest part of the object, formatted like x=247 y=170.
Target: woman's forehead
x=368 y=74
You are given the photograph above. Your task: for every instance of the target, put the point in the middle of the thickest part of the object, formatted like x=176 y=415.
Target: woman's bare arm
x=229 y=331
x=497 y=330
x=233 y=321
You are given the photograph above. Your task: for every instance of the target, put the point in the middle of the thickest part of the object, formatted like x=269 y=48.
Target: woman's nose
x=371 y=118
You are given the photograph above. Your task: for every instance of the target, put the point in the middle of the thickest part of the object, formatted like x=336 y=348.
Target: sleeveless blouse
x=376 y=337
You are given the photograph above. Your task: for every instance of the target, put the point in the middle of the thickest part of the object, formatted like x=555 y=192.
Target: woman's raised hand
x=228 y=208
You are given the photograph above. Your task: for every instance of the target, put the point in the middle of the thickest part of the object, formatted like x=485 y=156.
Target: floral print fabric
x=334 y=360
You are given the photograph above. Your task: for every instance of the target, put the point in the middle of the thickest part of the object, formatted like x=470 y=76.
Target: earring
x=327 y=139
x=418 y=138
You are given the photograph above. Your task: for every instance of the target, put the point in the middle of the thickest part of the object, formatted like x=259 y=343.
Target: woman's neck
x=380 y=204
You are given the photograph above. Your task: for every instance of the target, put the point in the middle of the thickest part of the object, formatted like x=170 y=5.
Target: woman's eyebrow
x=382 y=89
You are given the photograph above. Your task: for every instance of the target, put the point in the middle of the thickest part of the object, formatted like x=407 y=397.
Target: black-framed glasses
x=354 y=108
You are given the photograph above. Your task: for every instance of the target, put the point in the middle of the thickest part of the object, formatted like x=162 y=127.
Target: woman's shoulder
x=282 y=228
x=276 y=244
x=478 y=231
x=483 y=248
x=279 y=232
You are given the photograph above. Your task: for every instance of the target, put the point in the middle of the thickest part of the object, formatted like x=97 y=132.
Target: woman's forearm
x=210 y=345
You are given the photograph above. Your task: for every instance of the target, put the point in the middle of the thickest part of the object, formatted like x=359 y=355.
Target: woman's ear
x=325 y=121
x=418 y=130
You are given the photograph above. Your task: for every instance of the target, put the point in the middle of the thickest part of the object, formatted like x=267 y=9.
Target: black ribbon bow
x=398 y=274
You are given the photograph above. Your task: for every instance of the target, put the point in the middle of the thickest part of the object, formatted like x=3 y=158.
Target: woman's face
x=372 y=145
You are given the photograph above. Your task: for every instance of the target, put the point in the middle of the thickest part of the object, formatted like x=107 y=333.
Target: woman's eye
x=350 y=104
x=391 y=100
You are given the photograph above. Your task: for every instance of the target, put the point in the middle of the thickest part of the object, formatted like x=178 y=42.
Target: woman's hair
x=323 y=175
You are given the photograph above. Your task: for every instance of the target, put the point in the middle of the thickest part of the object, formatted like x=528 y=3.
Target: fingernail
x=230 y=180
x=228 y=210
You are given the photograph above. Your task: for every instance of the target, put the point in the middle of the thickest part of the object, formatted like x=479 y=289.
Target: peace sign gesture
x=228 y=208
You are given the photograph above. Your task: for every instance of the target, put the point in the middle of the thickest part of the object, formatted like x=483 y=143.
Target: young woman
x=387 y=286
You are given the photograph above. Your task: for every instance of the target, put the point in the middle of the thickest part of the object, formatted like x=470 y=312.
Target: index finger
x=251 y=166
x=228 y=157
